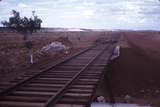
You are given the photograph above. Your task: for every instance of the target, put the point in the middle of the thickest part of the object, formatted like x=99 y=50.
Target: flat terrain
x=14 y=55
x=134 y=73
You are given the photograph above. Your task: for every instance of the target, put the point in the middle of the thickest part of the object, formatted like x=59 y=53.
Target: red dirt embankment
x=137 y=71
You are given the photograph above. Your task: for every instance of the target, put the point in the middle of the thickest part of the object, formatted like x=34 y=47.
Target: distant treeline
x=6 y=29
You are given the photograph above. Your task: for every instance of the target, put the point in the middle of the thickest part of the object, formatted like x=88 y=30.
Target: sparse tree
x=25 y=26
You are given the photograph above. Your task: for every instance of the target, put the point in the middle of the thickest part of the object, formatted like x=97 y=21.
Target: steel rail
x=15 y=86
x=102 y=75
x=55 y=98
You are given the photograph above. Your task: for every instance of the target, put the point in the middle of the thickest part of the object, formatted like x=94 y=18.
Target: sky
x=91 y=14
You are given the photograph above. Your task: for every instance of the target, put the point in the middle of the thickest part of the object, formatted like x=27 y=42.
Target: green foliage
x=5 y=23
x=23 y=24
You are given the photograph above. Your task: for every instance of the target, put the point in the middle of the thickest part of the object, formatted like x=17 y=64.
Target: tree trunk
x=25 y=37
x=28 y=45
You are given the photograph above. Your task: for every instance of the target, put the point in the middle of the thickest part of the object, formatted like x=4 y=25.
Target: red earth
x=14 y=57
x=135 y=72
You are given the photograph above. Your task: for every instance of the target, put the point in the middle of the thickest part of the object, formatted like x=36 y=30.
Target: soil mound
x=136 y=71
x=135 y=74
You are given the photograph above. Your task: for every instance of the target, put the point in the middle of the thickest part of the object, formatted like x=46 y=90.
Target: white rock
x=54 y=47
x=101 y=99
x=127 y=98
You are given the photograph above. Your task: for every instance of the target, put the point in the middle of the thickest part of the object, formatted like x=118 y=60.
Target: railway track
x=70 y=83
